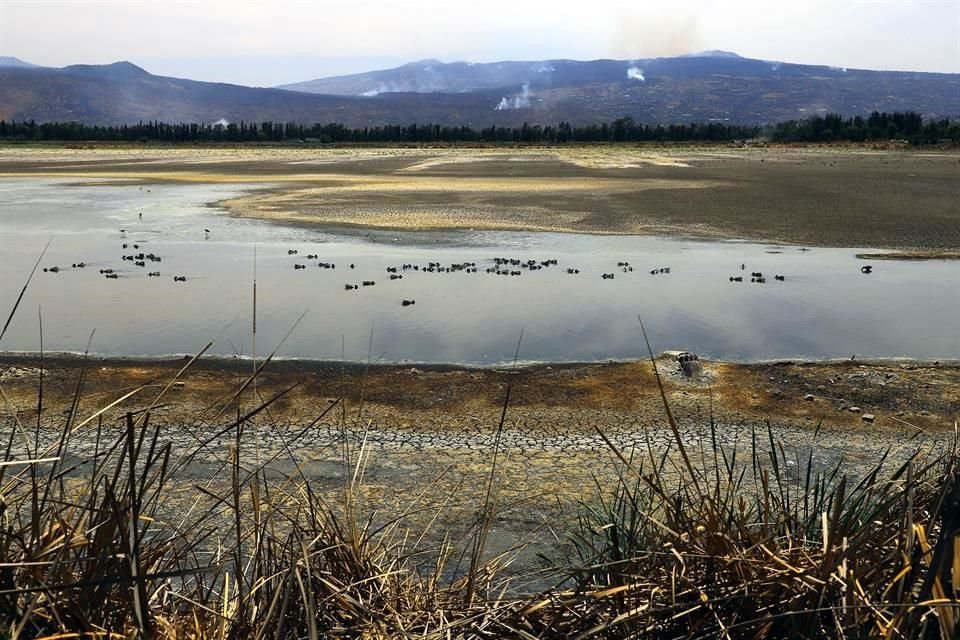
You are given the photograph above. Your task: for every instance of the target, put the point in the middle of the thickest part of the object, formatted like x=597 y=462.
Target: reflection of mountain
x=715 y=86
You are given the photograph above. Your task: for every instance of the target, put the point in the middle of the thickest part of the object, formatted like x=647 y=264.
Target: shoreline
x=214 y=361
x=831 y=197
x=900 y=395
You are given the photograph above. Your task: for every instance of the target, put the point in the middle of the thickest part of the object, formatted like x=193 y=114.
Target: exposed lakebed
x=824 y=308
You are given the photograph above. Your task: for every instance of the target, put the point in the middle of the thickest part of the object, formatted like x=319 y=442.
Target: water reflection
x=825 y=308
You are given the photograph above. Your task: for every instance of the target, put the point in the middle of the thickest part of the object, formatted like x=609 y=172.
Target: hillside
x=691 y=88
x=713 y=85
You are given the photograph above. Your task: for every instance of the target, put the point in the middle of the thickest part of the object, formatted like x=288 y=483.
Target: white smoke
x=840 y=69
x=517 y=101
x=221 y=122
x=371 y=93
x=635 y=73
x=543 y=67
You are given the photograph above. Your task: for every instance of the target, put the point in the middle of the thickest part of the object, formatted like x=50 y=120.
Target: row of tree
x=877 y=126
x=831 y=127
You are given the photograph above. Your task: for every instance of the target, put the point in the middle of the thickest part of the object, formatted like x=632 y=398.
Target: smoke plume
x=638 y=37
x=634 y=73
x=517 y=101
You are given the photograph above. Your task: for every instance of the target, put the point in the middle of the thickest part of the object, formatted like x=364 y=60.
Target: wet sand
x=899 y=198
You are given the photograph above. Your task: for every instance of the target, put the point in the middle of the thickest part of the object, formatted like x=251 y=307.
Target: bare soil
x=864 y=197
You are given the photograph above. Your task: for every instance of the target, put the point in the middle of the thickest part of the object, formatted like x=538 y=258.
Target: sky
x=264 y=43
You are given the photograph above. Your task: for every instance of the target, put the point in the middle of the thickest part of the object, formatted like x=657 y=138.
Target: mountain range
x=708 y=86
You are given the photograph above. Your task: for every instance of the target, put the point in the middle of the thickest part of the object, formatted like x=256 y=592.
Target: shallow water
x=825 y=308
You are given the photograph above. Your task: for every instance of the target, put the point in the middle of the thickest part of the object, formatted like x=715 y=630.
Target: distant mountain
x=10 y=61
x=710 y=86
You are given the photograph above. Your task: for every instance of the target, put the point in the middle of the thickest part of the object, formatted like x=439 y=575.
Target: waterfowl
x=112 y=276
x=179 y=278
x=607 y=276
x=350 y=287
x=394 y=276
x=368 y=283
x=407 y=303
x=51 y=270
x=299 y=266
x=866 y=269
x=780 y=278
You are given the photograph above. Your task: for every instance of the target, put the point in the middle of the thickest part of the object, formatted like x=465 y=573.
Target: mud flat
x=828 y=196
x=431 y=431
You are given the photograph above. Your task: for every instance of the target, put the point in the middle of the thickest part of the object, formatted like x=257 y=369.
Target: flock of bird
x=499 y=266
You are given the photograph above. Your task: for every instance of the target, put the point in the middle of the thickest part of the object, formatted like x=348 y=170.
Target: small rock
x=179 y=385
x=868 y=417
x=854 y=409
x=808 y=397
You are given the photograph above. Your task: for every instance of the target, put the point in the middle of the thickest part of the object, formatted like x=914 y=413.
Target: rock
x=689 y=364
x=808 y=397
x=179 y=385
x=854 y=409
x=868 y=417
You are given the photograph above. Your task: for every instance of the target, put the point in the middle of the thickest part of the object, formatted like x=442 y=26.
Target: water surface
x=825 y=307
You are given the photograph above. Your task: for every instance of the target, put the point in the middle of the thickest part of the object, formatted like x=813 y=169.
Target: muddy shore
x=426 y=435
x=901 y=199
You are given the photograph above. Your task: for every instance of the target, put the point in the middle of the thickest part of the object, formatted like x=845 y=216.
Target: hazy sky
x=268 y=43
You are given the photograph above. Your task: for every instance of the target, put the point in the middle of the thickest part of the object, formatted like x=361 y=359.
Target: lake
x=824 y=308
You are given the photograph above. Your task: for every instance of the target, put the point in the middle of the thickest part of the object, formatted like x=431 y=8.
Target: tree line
x=908 y=126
